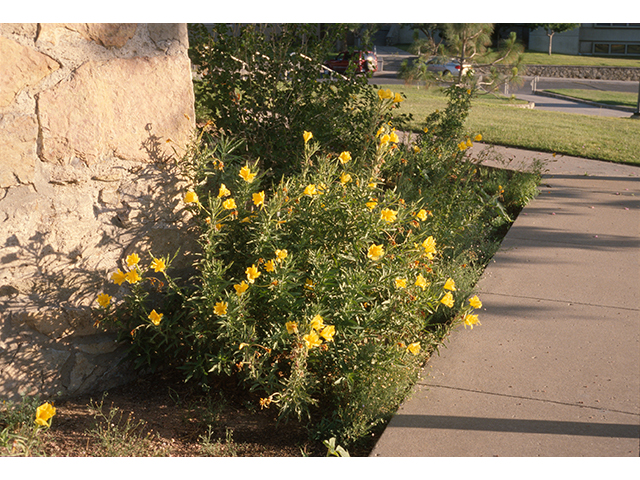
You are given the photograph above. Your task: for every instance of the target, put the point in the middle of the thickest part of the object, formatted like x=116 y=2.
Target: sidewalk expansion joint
x=602 y=409
x=615 y=307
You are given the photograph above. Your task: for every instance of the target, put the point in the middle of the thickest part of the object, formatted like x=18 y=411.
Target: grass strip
x=624 y=99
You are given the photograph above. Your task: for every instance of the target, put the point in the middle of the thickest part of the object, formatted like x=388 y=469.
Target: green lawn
x=539 y=58
x=605 y=97
x=501 y=123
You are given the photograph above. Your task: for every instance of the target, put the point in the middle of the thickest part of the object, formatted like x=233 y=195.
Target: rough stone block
x=18 y=137
x=108 y=35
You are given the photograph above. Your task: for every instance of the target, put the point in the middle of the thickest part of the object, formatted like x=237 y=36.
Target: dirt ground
x=173 y=418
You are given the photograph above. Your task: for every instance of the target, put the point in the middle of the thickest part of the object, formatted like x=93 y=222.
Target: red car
x=365 y=62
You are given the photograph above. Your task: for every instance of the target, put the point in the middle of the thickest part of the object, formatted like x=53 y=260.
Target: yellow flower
x=118 y=277
x=252 y=273
x=421 y=282
x=132 y=277
x=393 y=137
x=191 y=197
x=388 y=215
x=462 y=146
x=241 y=287
x=447 y=300
x=310 y=190
x=292 y=327
x=414 y=348
x=155 y=317
x=398 y=98
x=471 y=320
x=429 y=246
x=475 y=302
x=258 y=199
x=229 y=204
x=344 y=157
x=308 y=284
x=382 y=93
x=133 y=259
x=401 y=283
x=246 y=174
x=416 y=149
x=422 y=214
x=376 y=252
x=220 y=308
x=345 y=178
x=384 y=139
x=380 y=131
x=312 y=339
x=478 y=138
x=158 y=265
x=425 y=129
x=224 y=191
x=469 y=143
x=265 y=402
x=371 y=204
x=450 y=285
x=281 y=255
x=328 y=332
x=242 y=345
x=307 y=136
x=44 y=413
x=317 y=323
x=270 y=266
x=104 y=300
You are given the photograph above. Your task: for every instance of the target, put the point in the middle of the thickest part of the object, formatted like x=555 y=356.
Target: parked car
x=365 y=62
x=447 y=66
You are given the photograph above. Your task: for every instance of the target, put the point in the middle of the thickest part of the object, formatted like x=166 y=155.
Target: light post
x=637 y=112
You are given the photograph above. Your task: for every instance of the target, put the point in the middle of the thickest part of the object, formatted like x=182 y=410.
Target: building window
x=617 y=49
x=633 y=49
x=602 y=48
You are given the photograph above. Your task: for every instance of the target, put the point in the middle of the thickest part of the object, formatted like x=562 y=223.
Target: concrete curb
x=543 y=93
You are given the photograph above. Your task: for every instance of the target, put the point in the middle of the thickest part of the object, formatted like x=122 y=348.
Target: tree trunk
x=550 y=40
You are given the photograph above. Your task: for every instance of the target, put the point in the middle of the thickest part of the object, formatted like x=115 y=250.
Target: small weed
x=218 y=448
x=120 y=436
x=19 y=434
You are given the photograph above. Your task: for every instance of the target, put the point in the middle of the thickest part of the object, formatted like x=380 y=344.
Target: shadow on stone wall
x=48 y=341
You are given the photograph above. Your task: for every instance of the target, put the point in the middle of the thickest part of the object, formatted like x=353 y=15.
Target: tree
x=553 y=28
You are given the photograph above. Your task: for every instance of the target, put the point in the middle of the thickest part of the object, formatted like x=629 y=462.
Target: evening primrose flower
x=478 y=138
x=462 y=146
x=133 y=259
x=118 y=277
x=380 y=131
x=241 y=287
x=158 y=265
x=270 y=266
x=345 y=178
x=384 y=139
x=421 y=282
x=258 y=199
x=429 y=246
x=422 y=214
x=246 y=174
x=388 y=215
x=450 y=285
x=371 y=204
x=312 y=339
x=191 y=197
x=398 y=98
x=229 y=204
x=385 y=93
x=401 y=283
x=104 y=300
x=220 y=308
x=224 y=191
x=281 y=255
x=292 y=327
x=416 y=149
x=393 y=137
x=414 y=348
x=307 y=136
x=252 y=273
x=475 y=302
x=471 y=320
x=376 y=252
x=155 y=317
x=133 y=277
x=447 y=300
x=44 y=413
x=317 y=323
x=310 y=190
x=344 y=157
x=328 y=332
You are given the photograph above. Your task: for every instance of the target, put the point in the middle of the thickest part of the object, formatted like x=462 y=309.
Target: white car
x=447 y=66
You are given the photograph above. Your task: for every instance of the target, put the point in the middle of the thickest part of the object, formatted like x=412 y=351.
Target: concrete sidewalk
x=554 y=369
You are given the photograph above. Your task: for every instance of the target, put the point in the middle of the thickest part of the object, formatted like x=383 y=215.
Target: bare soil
x=175 y=418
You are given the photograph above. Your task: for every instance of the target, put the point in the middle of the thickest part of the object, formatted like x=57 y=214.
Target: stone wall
x=92 y=117
x=595 y=73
